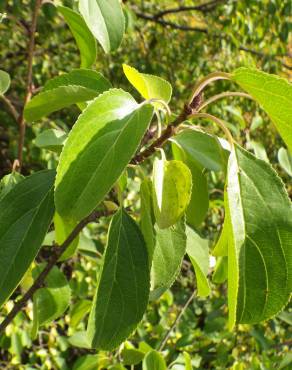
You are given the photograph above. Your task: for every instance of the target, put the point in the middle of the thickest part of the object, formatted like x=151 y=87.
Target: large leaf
x=172 y=186
x=105 y=19
x=169 y=251
x=202 y=148
x=84 y=38
x=4 y=82
x=198 y=252
x=78 y=86
x=154 y=361
x=259 y=240
x=25 y=215
x=123 y=289
x=99 y=147
x=273 y=93
x=51 y=302
x=149 y=86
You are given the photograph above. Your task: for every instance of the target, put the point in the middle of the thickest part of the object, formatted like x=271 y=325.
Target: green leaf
x=285 y=160
x=221 y=247
x=154 y=361
x=198 y=252
x=88 y=168
x=51 y=302
x=79 y=310
x=149 y=86
x=63 y=229
x=220 y=274
x=172 y=185
x=8 y=182
x=202 y=148
x=51 y=139
x=169 y=251
x=273 y=93
x=105 y=19
x=25 y=215
x=4 y=82
x=123 y=289
x=84 y=38
x=131 y=355
x=78 y=86
x=259 y=150
x=259 y=240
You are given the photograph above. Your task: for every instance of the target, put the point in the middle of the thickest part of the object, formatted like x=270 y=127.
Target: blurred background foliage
x=180 y=47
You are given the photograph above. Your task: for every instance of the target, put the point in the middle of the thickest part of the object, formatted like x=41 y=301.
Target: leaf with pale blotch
x=149 y=86
x=172 y=185
x=198 y=252
x=273 y=93
x=106 y=21
x=84 y=38
x=259 y=240
x=123 y=288
x=89 y=168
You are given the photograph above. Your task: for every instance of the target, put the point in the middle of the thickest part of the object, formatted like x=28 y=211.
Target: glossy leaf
x=4 y=82
x=273 y=93
x=51 y=139
x=123 y=289
x=202 y=148
x=259 y=240
x=105 y=19
x=198 y=252
x=154 y=361
x=50 y=302
x=88 y=168
x=169 y=251
x=84 y=38
x=172 y=185
x=25 y=215
x=285 y=160
x=148 y=86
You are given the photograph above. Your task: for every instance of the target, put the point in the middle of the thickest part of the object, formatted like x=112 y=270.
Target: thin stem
x=94 y=216
x=221 y=96
x=10 y=107
x=218 y=123
x=31 y=49
x=179 y=316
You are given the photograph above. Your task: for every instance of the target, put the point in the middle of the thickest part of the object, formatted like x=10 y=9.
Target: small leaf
x=79 y=310
x=122 y=295
x=89 y=168
x=132 y=355
x=4 y=82
x=51 y=139
x=8 y=182
x=51 y=302
x=259 y=240
x=198 y=252
x=149 y=86
x=172 y=185
x=273 y=93
x=63 y=228
x=84 y=38
x=25 y=215
x=169 y=251
x=154 y=361
x=285 y=160
x=259 y=150
x=202 y=148
x=105 y=19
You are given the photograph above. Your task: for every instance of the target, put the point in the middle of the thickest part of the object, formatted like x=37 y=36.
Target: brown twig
x=51 y=263
x=31 y=48
x=10 y=107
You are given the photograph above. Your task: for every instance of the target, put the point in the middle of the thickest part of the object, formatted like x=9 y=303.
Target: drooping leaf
x=285 y=160
x=259 y=240
x=63 y=228
x=8 y=182
x=169 y=251
x=123 y=289
x=154 y=361
x=220 y=274
x=84 y=38
x=202 y=148
x=80 y=85
x=172 y=185
x=88 y=168
x=4 y=82
x=273 y=93
x=149 y=86
x=105 y=19
x=198 y=252
x=51 y=139
x=25 y=215
x=50 y=302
